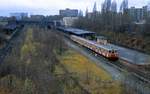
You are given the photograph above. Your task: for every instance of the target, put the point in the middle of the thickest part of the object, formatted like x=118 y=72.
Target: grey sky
x=51 y=7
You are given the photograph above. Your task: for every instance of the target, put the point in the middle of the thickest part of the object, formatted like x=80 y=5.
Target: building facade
x=68 y=12
x=36 y=17
x=69 y=21
x=138 y=14
x=19 y=16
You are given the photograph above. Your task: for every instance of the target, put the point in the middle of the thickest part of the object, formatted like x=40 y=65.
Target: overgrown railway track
x=9 y=45
x=138 y=79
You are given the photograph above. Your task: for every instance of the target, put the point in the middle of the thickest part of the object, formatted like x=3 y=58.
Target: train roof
x=106 y=47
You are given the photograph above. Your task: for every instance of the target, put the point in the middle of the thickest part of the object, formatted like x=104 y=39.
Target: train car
x=104 y=50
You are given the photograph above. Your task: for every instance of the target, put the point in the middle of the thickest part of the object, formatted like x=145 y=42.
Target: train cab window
x=115 y=51
x=109 y=51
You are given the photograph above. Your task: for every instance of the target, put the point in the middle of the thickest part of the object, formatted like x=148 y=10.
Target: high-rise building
x=114 y=6
x=148 y=9
x=68 y=12
x=138 y=14
x=148 y=6
x=124 y=6
x=145 y=11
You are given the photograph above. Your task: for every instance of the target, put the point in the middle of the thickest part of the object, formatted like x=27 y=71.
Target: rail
x=138 y=73
x=9 y=45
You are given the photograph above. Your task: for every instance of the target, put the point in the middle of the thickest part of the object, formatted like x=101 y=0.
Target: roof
x=78 y=31
x=106 y=47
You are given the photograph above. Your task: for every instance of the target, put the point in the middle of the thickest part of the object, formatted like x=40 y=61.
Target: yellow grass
x=79 y=64
x=90 y=76
x=4 y=91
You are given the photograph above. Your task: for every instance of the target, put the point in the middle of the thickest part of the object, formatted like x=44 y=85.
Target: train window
x=115 y=51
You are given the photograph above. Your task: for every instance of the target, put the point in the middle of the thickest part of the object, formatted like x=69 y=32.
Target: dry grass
x=79 y=64
x=92 y=78
x=4 y=91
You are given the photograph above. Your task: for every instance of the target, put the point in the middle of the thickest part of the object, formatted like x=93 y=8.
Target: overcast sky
x=51 y=7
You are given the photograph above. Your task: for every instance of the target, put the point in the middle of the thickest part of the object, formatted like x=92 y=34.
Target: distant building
x=3 y=18
x=145 y=11
x=19 y=16
x=69 y=21
x=36 y=17
x=148 y=6
x=68 y=12
x=138 y=14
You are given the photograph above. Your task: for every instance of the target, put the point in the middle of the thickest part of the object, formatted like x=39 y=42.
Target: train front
x=113 y=55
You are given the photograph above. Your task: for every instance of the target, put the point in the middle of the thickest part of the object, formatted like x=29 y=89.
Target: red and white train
x=104 y=50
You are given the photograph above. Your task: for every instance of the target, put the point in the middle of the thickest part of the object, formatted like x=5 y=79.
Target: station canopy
x=78 y=32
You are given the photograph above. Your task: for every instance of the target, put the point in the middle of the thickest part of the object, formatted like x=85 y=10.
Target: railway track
x=133 y=80
x=120 y=65
x=136 y=71
x=9 y=45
